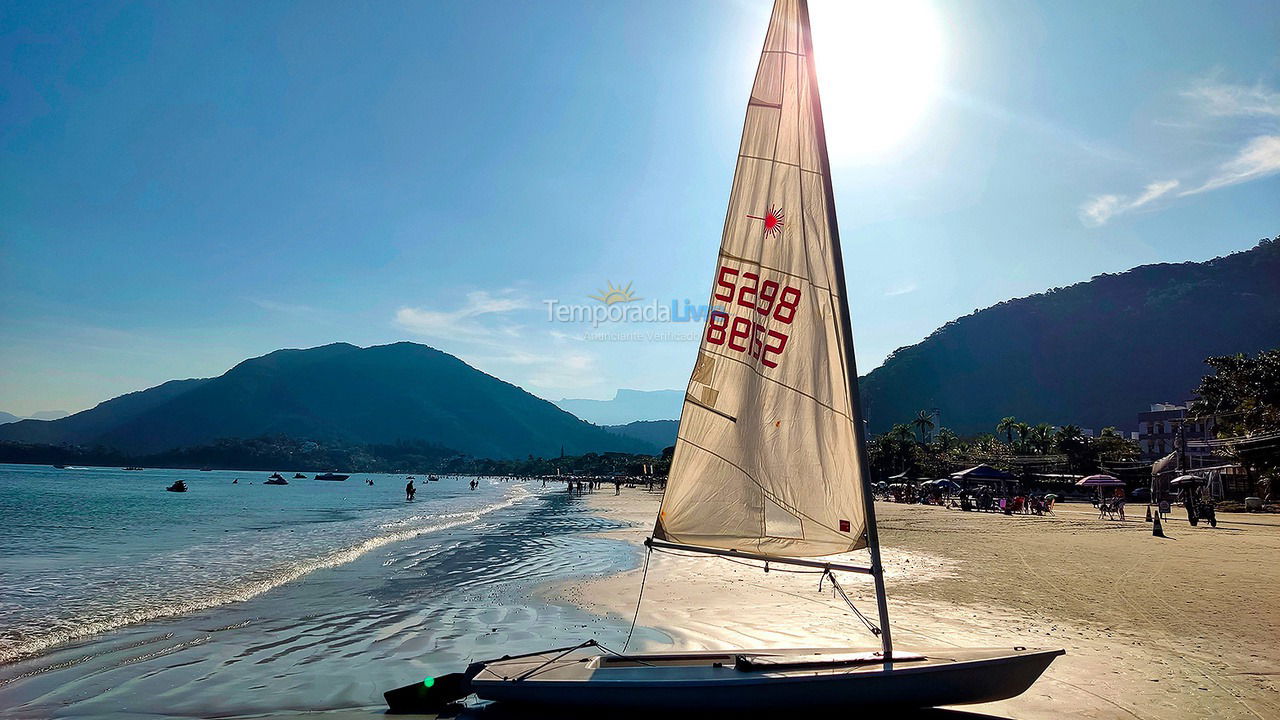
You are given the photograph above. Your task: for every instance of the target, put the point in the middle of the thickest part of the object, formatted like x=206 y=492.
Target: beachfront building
x=1159 y=427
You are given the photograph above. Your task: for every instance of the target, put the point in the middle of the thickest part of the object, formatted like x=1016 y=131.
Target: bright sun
x=880 y=68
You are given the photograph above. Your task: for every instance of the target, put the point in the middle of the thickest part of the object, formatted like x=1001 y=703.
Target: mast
x=851 y=369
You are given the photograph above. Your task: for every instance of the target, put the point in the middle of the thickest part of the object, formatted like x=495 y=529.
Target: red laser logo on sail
x=773 y=221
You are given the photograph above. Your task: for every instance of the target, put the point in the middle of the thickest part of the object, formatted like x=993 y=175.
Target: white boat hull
x=798 y=678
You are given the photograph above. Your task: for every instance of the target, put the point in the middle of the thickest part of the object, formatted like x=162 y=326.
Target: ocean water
x=88 y=550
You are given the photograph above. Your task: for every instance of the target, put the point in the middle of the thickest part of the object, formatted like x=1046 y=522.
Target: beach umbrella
x=946 y=485
x=1100 y=481
x=1188 y=481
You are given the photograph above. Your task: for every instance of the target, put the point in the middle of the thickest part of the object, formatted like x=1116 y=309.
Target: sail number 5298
x=742 y=330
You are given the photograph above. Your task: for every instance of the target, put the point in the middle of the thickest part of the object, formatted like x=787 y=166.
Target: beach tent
x=1100 y=481
x=1168 y=463
x=983 y=472
x=1188 y=481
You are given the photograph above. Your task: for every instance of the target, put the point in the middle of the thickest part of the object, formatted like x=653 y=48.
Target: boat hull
x=717 y=680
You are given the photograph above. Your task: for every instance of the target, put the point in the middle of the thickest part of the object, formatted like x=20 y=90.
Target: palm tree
x=1068 y=434
x=1007 y=425
x=1072 y=442
x=1042 y=438
x=1024 y=437
x=901 y=432
x=923 y=423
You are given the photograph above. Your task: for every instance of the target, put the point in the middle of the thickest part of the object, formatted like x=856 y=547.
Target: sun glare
x=880 y=69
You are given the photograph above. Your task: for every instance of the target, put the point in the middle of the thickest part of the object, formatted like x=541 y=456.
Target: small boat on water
x=332 y=476
x=432 y=478
x=770 y=465
x=177 y=486
x=276 y=479
x=132 y=468
x=299 y=476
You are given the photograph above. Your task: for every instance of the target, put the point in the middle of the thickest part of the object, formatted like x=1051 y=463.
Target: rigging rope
x=835 y=584
x=639 y=596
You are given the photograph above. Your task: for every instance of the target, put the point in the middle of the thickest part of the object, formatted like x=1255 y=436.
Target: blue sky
x=186 y=184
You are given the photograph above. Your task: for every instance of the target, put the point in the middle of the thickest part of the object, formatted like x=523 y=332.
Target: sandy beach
x=1175 y=628
x=1183 y=627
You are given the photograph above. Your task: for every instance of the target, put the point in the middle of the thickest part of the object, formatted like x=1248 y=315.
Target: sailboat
x=770 y=460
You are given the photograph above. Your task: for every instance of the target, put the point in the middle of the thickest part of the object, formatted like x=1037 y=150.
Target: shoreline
x=331 y=642
x=1143 y=638
x=565 y=567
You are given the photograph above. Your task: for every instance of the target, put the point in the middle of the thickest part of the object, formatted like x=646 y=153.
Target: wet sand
x=1184 y=627
x=331 y=642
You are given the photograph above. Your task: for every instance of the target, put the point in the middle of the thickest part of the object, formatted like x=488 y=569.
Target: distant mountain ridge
x=1094 y=354
x=627 y=406
x=41 y=415
x=661 y=433
x=380 y=394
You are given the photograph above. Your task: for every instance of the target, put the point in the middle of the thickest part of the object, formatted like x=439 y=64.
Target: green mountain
x=1094 y=354
x=383 y=394
x=88 y=427
x=658 y=433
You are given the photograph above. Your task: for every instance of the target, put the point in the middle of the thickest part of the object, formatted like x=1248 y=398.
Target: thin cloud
x=556 y=369
x=903 y=289
x=284 y=308
x=1052 y=131
x=465 y=322
x=1219 y=111
x=1227 y=100
x=1258 y=159
x=1099 y=209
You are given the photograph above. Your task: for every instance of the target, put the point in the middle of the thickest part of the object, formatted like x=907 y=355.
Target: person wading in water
x=409 y=491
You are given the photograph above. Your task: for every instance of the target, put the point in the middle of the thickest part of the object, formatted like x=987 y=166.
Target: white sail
x=765 y=458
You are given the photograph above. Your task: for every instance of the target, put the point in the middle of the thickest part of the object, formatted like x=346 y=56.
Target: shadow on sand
x=509 y=712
